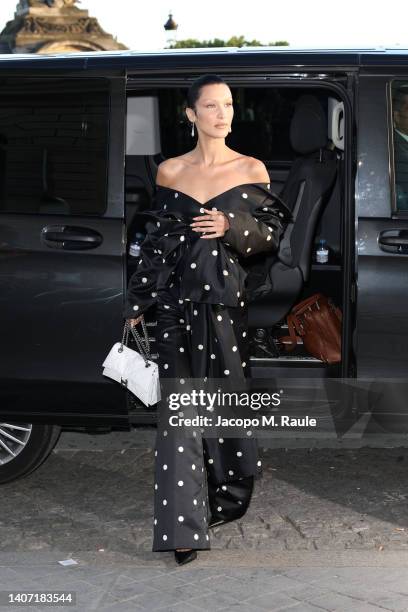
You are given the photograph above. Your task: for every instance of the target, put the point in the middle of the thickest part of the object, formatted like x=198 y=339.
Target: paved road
x=327 y=529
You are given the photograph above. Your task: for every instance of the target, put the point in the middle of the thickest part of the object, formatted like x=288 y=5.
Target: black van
x=81 y=137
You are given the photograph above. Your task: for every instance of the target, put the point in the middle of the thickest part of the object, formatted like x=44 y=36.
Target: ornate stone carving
x=51 y=24
x=61 y=3
x=39 y=26
x=67 y=46
x=24 y=4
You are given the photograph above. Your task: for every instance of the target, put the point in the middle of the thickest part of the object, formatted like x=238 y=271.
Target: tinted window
x=53 y=145
x=399 y=94
x=260 y=127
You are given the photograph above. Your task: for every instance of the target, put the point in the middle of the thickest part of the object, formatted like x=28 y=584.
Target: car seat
x=306 y=191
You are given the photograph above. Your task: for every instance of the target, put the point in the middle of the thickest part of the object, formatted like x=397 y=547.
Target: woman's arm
x=260 y=230
x=251 y=233
x=141 y=291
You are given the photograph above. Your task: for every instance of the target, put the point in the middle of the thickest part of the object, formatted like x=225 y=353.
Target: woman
x=213 y=206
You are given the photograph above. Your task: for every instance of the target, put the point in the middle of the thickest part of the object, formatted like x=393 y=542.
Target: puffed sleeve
x=141 y=291
x=258 y=229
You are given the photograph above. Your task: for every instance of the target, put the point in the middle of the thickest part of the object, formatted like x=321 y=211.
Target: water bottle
x=134 y=248
x=322 y=252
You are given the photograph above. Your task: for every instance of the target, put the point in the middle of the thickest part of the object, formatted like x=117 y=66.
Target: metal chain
x=141 y=347
x=142 y=343
x=125 y=333
x=145 y=339
x=146 y=335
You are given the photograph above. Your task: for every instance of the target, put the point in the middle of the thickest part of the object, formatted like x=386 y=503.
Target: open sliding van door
x=382 y=241
x=61 y=246
x=382 y=325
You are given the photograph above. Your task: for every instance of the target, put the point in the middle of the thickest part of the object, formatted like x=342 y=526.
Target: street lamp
x=171 y=27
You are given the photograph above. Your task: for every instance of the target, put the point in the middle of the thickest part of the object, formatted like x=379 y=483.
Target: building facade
x=54 y=26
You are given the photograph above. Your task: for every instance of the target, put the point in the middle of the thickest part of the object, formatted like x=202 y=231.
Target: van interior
x=298 y=133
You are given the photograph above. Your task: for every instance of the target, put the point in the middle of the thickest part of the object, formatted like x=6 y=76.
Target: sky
x=316 y=23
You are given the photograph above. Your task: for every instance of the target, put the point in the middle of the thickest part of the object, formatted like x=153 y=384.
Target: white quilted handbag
x=135 y=371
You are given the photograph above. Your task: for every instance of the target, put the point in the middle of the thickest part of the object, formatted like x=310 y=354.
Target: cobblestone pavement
x=327 y=529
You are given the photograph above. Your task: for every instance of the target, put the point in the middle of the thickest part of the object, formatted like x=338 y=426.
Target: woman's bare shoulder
x=251 y=167
x=256 y=170
x=168 y=170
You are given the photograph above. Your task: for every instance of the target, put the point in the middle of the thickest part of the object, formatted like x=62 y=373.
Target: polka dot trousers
x=196 y=340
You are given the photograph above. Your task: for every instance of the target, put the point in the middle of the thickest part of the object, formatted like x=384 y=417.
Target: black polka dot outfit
x=198 y=288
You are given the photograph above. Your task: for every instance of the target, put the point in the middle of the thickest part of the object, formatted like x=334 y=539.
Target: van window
x=399 y=96
x=54 y=145
x=260 y=127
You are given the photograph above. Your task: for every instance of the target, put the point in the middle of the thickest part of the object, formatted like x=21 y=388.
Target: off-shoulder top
x=207 y=270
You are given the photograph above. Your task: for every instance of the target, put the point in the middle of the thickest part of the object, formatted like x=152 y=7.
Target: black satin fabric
x=229 y=502
x=210 y=269
x=198 y=288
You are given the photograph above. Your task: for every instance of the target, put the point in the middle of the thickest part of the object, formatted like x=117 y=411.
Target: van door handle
x=70 y=237
x=394 y=241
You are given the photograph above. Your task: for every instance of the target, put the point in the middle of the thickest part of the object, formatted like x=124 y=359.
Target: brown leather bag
x=317 y=322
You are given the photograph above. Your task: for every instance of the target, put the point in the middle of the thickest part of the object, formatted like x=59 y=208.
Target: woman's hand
x=215 y=221
x=134 y=322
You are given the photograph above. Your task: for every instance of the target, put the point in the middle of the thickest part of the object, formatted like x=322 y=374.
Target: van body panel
x=222 y=57
x=382 y=277
x=62 y=275
x=64 y=307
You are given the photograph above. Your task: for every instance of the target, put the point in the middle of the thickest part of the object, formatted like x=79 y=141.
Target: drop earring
x=192 y=128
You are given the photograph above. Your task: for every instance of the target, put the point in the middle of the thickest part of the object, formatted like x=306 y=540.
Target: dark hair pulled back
x=194 y=90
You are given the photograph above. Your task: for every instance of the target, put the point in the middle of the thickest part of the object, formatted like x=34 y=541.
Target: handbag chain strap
x=145 y=340
x=125 y=337
x=143 y=344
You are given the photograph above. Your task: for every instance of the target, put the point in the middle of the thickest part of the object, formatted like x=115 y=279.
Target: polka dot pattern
x=199 y=335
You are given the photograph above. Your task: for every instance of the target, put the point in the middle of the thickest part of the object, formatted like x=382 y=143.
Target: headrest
x=142 y=126
x=335 y=122
x=308 y=128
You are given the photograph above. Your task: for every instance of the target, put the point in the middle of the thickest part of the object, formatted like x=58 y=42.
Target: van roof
x=174 y=58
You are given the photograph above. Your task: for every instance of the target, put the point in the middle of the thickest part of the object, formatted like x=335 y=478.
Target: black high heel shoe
x=185 y=556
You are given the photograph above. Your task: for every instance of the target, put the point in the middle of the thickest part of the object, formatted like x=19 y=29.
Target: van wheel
x=24 y=447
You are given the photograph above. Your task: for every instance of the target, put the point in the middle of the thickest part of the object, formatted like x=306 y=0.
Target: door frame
x=343 y=82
